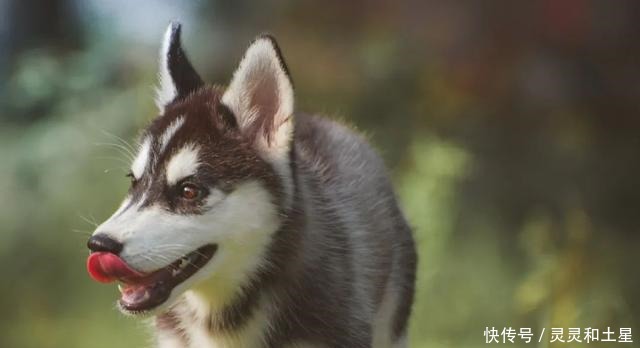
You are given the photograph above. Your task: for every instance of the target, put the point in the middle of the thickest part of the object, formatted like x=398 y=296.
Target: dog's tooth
x=183 y=263
x=146 y=295
x=120 y=288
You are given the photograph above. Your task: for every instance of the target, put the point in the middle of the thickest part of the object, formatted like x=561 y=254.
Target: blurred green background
x=511 y=128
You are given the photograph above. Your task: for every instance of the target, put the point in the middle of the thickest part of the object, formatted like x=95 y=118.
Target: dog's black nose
x=101 y=242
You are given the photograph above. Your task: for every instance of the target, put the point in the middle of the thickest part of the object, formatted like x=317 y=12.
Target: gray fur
x=355 y=241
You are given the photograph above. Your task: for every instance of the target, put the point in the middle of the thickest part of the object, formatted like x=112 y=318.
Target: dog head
x=208 y=185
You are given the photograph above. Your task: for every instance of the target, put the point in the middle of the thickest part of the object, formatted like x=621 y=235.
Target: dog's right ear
x=177 y=77
x=261 y=97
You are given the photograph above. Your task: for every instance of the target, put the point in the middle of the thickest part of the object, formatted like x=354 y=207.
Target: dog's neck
x=191 y=323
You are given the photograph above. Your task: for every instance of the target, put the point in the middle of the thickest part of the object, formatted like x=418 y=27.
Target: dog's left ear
x=261 y=98
x=177 y=77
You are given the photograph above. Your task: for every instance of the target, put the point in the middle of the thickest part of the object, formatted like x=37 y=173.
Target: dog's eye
x=189 y=191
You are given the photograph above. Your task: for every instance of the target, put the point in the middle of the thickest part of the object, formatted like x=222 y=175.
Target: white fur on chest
x=192 y=313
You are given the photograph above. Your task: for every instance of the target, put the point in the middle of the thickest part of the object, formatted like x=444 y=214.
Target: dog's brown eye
x=189 y=191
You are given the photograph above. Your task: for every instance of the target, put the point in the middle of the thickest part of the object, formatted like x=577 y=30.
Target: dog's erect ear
x=261 y=97
x=177 y=77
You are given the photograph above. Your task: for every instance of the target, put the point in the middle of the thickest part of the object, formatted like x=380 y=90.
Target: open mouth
x=142 y=292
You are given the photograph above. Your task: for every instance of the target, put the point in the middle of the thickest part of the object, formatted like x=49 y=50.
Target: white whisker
x=120 y=148
x=91 y=222
x=124 y=142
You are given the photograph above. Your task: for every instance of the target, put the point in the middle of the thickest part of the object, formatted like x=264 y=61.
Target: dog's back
x=355 y=285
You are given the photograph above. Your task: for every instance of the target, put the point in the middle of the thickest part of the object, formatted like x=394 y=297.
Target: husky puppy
x=248 y=224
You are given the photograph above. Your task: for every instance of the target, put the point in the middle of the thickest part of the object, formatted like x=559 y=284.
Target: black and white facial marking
x=212 y=169
x=196 y=154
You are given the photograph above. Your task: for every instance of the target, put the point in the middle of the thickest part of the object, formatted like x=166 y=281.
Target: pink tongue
x=107 y=267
